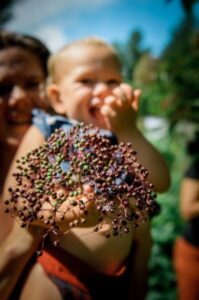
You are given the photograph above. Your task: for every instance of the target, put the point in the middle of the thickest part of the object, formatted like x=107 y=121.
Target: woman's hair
x=11 y=39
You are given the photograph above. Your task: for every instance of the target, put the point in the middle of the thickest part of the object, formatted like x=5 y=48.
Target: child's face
x=21 y=79
x=89 y=75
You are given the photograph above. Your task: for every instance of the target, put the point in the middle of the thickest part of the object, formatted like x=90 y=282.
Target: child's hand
x=70 y=213
x=119 y=109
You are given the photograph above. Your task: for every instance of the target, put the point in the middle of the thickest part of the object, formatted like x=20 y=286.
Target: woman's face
x=21 y=85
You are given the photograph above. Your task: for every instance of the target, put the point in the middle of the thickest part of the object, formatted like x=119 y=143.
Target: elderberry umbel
x=53 y=181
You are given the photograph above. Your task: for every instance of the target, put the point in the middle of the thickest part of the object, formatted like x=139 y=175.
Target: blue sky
x=61 y=21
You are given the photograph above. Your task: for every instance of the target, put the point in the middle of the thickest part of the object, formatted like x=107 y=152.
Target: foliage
x=180 y=61
x=145 y=72
x=6 y=10
x=168 y=224
x=130 y=52
x=173 y=92
x=187 y=5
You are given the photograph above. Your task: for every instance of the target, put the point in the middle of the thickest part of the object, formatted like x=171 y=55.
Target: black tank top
x=191 y=232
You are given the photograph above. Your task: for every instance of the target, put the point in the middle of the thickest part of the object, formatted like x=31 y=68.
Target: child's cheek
x=84 y=93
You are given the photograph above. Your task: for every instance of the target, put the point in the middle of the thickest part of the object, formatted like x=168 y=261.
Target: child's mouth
x=94 y=110
x=96 y=114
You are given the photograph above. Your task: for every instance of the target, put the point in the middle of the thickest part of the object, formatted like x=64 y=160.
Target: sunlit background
x=59 y=22
x=158 y=43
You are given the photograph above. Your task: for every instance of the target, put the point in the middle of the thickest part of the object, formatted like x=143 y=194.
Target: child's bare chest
x=103 y=254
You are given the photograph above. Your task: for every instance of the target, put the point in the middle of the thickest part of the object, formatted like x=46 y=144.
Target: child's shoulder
x=47 y=123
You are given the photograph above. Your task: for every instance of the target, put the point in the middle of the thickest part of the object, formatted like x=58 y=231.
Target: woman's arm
x=20 y=244
x=140 y=260
x=15 y=253
x=189 y=198
x=32 y=139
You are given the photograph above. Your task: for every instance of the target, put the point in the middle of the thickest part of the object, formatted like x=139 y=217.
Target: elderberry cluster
x=83 y=163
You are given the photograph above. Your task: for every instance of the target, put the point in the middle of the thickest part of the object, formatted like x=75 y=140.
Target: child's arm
x=119 y=111
x=151 y=159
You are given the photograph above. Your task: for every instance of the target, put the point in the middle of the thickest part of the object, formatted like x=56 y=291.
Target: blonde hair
x=90 y=41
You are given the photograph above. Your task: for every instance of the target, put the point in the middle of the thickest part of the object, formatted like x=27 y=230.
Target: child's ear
x=135 y=102
x=54 y=96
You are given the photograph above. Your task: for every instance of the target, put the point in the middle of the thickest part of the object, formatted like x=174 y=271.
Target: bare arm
x=15 y=252
x=20 y=244
x=189 y=198
x=32 y=139
x=139 y=269
x=119 y=111
x=150 y=157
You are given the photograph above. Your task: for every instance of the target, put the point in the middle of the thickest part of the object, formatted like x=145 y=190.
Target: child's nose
x=101 y=89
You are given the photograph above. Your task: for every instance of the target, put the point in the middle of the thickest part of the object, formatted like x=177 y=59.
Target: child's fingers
x=69 y=210
x=107 y=111
x=137 y=92
x=127 y=90
x=130 y=92
x=113 y=102
x=120 y=94
x=110 y=100
x=125 y=94
x=135 y=102
x=73 y=209
x=95 y=101
x=87 y=188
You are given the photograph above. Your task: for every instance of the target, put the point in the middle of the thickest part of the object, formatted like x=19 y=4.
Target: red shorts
x=77 y=280
x=186 y=263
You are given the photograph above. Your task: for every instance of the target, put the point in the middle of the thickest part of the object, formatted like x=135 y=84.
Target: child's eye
x=87 y=81
x=113 y=82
